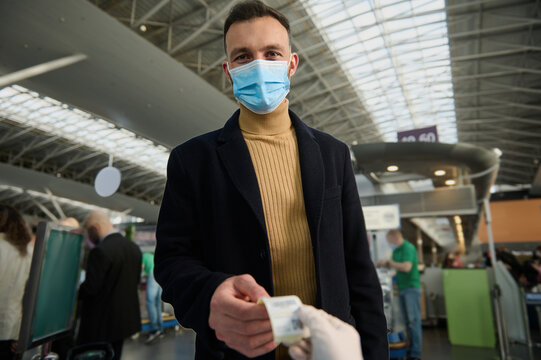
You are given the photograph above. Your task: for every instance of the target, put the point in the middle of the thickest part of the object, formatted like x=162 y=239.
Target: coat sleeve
x=188 y=283
x=97 y=267
x=364 y=287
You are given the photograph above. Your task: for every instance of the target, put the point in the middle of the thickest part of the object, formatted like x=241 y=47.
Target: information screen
x=58 y=284
x=51 y=291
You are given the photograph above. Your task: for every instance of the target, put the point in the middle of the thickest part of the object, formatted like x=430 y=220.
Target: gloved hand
x=330 y=339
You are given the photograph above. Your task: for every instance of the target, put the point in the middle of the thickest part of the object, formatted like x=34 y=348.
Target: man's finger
x=246 y=285
x=264 y=349
x=243 y=310
x=248 y=343
x=247 y=328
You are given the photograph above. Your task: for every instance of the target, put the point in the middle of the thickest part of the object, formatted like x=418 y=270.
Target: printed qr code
x=296 y=324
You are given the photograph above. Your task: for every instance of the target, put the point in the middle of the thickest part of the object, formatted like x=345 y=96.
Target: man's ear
x=226 y=72
x=97 y=228
x=293 y=64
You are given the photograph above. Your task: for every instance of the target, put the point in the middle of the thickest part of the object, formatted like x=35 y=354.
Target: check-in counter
x=469 y=307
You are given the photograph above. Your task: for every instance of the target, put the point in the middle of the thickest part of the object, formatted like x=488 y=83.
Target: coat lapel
x=235 y=156
x=313 y=175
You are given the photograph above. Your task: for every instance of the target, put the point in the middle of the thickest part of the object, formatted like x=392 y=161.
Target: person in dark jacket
x=510 y=261
x=265 y=206
x=109 y=299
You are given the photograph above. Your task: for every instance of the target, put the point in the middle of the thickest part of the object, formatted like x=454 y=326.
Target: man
x=404 y=261
x=510 y=261
x=153 y=300
x=265 y=206
x=110 y=302
x=70 y=222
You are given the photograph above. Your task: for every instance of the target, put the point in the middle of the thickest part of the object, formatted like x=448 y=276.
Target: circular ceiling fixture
x=107 y=181
x=450 y=182
x=440 y=172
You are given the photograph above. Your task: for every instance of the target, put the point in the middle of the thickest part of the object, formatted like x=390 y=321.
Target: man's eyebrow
x=241 y=50
x=237 y=51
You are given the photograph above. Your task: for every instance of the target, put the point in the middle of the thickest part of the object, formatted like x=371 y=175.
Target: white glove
x=330 y=339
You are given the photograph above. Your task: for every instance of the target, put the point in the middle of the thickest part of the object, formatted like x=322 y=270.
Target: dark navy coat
x=110 y=300
x=212 y=226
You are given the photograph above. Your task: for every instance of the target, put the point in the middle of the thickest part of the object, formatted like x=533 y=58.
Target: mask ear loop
x=230 y=78
x=288 y=65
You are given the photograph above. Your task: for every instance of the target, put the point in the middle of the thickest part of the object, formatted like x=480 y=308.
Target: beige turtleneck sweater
x=273 y=148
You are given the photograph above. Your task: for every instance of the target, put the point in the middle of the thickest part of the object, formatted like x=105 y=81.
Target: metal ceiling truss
x=44 y=206
x=172 y=28
x=33 y=149
x=497 y=87
x=496 y=69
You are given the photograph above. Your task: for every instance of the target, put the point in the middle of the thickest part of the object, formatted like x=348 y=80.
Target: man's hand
x=383 y=263
x=237 y=319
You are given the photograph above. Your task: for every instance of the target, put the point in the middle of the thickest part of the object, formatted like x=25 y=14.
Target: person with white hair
x=70 y=222
x=110 y=303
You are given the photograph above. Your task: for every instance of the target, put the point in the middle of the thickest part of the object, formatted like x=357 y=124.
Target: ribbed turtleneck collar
x=274 y=123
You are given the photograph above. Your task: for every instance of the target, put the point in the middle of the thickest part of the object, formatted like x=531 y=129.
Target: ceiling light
x=450 y=182
x=440 y=172
x=143 y=28
x=32 y=110
x=392 y=168
x=498 y=152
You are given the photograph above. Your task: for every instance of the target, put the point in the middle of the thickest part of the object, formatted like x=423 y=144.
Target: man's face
x=261 y=38
x=392 y=240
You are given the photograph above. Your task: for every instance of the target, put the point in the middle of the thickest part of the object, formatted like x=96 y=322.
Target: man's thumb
x=246 y=285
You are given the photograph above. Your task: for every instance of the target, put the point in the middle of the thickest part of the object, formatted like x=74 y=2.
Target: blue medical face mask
x=260 y=85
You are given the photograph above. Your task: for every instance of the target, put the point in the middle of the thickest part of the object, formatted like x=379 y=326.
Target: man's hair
x=394 y=233
x=248 y=10
x=96 y=217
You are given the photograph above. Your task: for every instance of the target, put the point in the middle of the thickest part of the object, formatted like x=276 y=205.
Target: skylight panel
x=396 y=54
x=28 y=108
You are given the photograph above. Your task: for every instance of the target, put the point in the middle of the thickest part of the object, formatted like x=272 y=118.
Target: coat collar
x=313 y=177
x=231 y=130
x=235 y=156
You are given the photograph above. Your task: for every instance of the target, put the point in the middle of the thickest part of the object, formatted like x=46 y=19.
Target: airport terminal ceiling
x=368 y=69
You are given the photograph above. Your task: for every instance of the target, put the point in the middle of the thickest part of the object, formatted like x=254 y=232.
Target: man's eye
x=241 y=58
x=273 y=54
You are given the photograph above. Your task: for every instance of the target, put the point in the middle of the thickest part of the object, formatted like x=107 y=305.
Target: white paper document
x=286 y=326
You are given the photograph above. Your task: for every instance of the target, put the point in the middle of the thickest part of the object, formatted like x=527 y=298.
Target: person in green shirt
x=404 y=260
x=153 y=299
